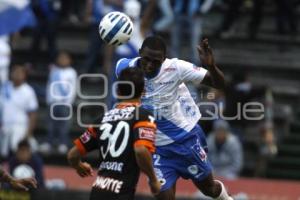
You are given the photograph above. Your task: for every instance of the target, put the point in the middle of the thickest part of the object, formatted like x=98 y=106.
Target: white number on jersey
x=113 y=137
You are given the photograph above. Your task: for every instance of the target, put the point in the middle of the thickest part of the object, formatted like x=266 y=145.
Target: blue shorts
x=186 y=158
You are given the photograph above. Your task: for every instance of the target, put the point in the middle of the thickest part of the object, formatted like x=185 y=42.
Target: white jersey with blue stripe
x=169 y=98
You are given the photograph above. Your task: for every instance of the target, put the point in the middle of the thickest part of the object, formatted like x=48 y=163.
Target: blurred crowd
x=177 y=19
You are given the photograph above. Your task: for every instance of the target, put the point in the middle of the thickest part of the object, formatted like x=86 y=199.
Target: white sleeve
x=32 y=102
x=188 y=72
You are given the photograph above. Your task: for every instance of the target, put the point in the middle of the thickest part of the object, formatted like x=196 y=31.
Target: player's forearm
x=74 y=157
x=144 y=161
x=217 y=77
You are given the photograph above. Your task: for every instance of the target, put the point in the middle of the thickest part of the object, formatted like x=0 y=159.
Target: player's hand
x=206 y=54
x=23 y=184
x=155 y=187
x=84 y=169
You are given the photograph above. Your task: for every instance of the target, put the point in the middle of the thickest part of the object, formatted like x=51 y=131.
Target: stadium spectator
x=47 y=15
x=19 y=111
x=165 y=21
x=267 y=149
x=188 y=21
x=5 y=55
x=61 y=94
x=239 y=92
x=285 y=16
x=19 y=184
x=71 y=10
x=26 y=164
x=96 y=9
x=225 y=151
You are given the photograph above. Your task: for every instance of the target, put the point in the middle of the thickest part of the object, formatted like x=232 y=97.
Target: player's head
x=18 y=74
x=152 y=53
x=24 y=151
x=63 y=59
x=136 y=77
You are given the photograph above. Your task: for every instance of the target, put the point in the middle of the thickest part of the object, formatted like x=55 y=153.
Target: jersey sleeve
x=121 y=65
x=188 y=72
x=145 y=130
x=87 y=142
x=32 y=103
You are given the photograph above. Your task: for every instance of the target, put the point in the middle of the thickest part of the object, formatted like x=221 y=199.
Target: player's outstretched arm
x=144 y=161
x=83 y=169
x=214 y=77
x=20 y=184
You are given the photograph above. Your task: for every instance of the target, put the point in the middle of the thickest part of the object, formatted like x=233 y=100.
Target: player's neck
x=129 y=102
x=135 y=100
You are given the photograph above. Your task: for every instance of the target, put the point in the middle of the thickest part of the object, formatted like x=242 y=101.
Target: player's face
x=151 y=61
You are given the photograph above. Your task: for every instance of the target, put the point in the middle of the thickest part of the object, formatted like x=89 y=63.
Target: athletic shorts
x=186 y=158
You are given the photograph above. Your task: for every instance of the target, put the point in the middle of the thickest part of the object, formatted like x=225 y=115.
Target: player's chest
x=164 y=83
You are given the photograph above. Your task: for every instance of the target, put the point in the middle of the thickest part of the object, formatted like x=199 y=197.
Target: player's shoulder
x=26 y=88
x=123 y=63
x=176 y=64
x=143 y=113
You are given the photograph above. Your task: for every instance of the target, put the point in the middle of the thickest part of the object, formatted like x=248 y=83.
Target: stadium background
x=271 y=61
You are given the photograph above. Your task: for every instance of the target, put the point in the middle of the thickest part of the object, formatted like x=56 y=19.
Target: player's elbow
x=141 y=151
x=73 y=156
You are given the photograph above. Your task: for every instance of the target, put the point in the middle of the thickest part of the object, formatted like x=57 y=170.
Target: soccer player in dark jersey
x=125 y=139
x=19 y=184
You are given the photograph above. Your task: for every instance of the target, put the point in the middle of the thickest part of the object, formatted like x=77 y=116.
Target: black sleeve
x=88 y=141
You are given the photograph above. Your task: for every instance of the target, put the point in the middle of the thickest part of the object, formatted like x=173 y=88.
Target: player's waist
x=113 y=184
x=169 y=133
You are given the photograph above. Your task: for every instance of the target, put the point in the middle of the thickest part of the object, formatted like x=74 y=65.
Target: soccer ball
x=115 y=28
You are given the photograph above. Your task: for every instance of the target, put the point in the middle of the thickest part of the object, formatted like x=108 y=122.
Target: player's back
x=121 y=129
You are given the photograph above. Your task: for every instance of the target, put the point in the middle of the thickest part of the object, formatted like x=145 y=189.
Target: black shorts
x=104 y=195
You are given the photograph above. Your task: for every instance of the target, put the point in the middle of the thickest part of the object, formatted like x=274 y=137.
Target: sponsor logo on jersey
x=169 y=69
x=193 y=169
x=118 y=114
x=109 y=184
x=112 y=166
x=147 y=134
x=166 y=83
x=85 y=137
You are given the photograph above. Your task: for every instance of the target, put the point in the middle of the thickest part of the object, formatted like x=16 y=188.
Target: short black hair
x=156 y=43
x=24 y=143
x=136 y=76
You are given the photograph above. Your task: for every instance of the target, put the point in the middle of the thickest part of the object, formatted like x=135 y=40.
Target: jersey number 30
x=122 y=127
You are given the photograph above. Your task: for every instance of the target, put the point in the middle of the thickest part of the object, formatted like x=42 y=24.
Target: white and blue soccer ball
x=115 y=28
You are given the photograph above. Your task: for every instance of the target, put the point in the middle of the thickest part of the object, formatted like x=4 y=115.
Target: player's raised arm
x=87 y=142
x=214 y=77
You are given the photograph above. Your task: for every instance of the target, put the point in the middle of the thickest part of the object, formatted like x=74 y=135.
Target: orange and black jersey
x=120 y=130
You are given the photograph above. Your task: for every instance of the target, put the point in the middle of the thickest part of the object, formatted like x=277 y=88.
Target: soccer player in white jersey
x=181 y=144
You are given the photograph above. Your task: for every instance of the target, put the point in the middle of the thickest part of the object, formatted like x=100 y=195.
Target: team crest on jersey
x=85 y=137
x=147 y=134
x=193 y=169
